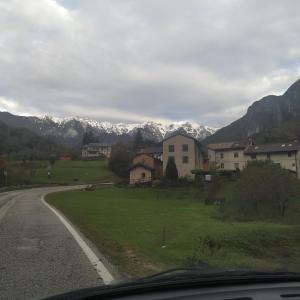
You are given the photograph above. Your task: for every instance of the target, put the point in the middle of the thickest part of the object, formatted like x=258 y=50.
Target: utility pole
x=296 y=164
x=163 y=244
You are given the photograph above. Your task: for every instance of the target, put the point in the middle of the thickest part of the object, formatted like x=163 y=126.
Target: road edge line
x=97 y=264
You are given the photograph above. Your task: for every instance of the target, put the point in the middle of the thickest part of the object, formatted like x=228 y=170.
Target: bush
x=157 y=183
x=122 y=183
x=263 y=191
x=120 y=160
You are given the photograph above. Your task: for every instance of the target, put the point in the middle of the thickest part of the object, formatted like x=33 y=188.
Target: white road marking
x=94 y=260
x=6 y=207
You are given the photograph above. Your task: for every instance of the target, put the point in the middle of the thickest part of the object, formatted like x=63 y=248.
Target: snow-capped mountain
x=150 y=130
x=70 y=130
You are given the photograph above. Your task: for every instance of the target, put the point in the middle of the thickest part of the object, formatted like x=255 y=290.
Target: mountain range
x=69 y=131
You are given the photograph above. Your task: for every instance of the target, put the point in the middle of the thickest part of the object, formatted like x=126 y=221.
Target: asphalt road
x=38 y=255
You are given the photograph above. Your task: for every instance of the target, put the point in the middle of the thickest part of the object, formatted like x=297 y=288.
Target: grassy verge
x=128 y=225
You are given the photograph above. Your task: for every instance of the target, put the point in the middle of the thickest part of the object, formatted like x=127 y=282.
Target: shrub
x=263 y=191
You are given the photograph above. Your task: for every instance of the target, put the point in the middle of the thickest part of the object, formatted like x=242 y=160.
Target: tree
x=52 y=160
x=264 y=191
x=88 y=137
x=171 y=169
x=120 y=159
x=138 y=142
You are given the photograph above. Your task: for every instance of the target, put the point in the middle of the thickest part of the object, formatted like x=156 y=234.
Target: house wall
x=283 y=159
x=136 y=175
x=228 y=162
x=193 y=153
x=96 y=152
x=105 y=151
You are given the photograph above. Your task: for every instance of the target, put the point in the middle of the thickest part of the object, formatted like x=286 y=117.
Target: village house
x=96 y=150
x=227 y=156
x=235 y=155
x=186 y=151
x=285 y=154
x=145 y=167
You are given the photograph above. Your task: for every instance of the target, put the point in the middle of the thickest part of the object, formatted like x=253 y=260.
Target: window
x=185 y=147
x=185 y=159
x=253 y=156
x=171 y=148
x=290 y=154
x=143 y=175
x=236 y=166
x=236 y=154
x=222 y=166
x=221 y=155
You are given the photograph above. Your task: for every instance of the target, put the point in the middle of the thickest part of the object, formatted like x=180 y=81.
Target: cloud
x=127 y=60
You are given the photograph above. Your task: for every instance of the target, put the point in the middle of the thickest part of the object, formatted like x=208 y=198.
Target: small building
x=145 y=168
x=186 y=151
x=227 y=156
x=96 y=150
x=65 y=157
x=285 y=154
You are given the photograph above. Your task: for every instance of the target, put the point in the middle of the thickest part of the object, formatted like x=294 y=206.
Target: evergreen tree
x=171 y=169
x=138 y=142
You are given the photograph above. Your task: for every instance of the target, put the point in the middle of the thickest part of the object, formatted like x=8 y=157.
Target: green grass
x=67 y=171
x=127 y=225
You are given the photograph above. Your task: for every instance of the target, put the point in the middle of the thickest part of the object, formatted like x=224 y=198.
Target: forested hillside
x=19 y=143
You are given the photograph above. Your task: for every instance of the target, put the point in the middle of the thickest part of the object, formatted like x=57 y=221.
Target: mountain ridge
x=263 y=117
x=69 y=131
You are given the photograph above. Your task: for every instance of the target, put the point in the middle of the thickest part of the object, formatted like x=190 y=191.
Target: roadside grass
x=74 y=171
x=128 y=225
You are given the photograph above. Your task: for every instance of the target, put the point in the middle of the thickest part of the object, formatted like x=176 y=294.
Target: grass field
x=128 y=225
x=67 y=171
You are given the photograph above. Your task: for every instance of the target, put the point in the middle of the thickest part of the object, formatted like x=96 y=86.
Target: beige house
x=186 y=152
x=96 y=150
x=145 y=168
x=227 y=156
x=285 y=154
x=235 y=155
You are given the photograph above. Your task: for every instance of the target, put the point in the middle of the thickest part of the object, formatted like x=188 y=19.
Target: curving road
x=38 y=255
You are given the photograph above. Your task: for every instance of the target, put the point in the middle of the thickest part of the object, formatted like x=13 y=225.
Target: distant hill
x=21 y=143
x=70 y=131
x=271 y=119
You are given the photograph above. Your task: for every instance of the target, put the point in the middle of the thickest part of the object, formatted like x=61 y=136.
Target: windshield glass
x=142 y=136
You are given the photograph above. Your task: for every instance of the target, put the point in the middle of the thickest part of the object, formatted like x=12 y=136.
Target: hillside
x=20 y=142
x=272 y=118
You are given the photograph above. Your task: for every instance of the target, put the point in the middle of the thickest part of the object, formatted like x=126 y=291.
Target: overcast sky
x=142 y=60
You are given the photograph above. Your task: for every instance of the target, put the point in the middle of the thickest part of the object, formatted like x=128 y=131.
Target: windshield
x=138 y=137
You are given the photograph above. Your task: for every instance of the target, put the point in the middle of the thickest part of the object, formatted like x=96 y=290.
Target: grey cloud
x=129 y=61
